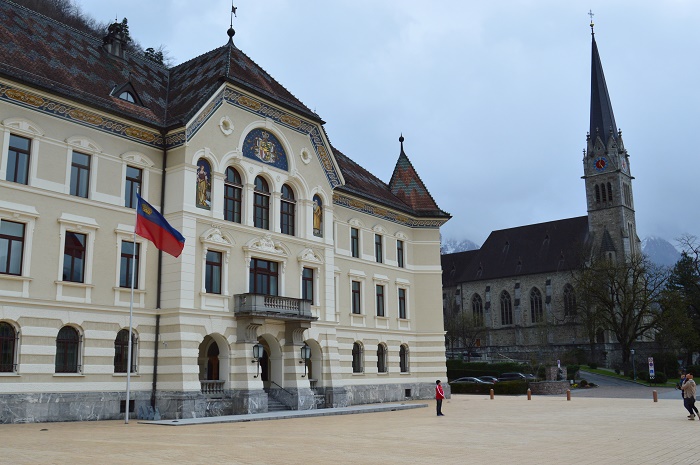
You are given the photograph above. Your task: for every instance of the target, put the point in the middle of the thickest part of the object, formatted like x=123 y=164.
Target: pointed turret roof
x=408 y=186
x=602 y=117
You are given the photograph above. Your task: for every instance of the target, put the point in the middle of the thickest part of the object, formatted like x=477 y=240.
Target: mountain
x=660 y=251
x=456 y=245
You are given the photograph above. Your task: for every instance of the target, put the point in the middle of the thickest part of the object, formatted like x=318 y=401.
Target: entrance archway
x=271 y=363
x=214 y=359
x=213 y=362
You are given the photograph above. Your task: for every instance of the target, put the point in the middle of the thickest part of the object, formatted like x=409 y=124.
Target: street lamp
x=258 y=352
x=634 y=369
x=305 y=356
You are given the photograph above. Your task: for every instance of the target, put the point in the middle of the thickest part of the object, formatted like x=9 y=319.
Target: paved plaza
x=475 y=429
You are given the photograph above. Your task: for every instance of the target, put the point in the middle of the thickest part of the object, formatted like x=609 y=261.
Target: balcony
x=272 y=306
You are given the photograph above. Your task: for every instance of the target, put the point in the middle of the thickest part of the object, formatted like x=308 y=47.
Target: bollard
x=529 y=394
x=568 y=394
x=491 y=393
x=656 y=397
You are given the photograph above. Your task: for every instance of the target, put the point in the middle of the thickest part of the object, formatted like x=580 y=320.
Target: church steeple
x=602 y=117
x=611 y=218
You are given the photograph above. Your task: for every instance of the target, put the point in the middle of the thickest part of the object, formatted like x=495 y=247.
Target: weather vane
x=233 y=12
x=590 y=13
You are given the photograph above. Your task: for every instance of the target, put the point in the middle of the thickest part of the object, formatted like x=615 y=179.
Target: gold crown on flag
x=146 y=209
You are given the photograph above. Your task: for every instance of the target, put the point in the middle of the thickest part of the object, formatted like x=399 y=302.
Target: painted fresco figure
x=318 y=216
x=203 y=186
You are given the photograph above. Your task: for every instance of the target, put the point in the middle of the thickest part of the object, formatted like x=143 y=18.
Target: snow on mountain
x=660 y=251
x=452 y=245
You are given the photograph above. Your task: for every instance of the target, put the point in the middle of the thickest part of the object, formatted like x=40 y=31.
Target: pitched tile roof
x=408 y=186
x=360 y=182
x=525 y=250
x=56 y=58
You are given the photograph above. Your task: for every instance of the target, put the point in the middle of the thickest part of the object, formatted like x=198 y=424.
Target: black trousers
x=439 y=406
x=689 y=404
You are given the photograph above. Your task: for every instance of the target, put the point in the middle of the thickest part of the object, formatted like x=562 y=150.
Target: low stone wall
x=549 y=387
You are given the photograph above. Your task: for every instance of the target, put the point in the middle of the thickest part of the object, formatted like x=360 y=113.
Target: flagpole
x=131 y=317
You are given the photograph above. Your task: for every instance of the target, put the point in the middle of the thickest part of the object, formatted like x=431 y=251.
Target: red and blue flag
x=151 y=225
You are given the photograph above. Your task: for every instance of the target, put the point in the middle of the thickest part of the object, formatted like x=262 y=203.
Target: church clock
x=600 y=164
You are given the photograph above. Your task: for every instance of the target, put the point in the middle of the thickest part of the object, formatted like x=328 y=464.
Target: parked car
x=512 y=377
x=471 y=380
x=489 y=379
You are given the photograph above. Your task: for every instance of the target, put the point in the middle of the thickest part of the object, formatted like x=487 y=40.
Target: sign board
x=651 y=367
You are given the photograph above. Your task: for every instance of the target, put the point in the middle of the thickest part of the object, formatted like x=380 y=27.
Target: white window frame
x=83 y=225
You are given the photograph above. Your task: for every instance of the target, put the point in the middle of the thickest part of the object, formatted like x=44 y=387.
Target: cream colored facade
x=175 y=330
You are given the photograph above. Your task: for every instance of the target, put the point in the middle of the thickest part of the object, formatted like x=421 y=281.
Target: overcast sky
x=492 y=97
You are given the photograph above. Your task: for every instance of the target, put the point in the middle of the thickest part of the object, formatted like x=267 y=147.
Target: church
x=304 y=282
x=517 y=290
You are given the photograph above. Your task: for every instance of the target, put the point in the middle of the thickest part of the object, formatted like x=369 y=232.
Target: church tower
x=606 y=169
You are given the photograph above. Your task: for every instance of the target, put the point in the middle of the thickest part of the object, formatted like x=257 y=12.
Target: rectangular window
x=356 y=308
x=132 y=186
x=212 y=275
x=232 y=203
x=263 y=277
x=355 y=242
x=11 y=247
x=399 y=253
x=378 y=248
x=80 y=175
x=402 y=304
x=129 y=263
x=307 y=285
x=380 y=300
x=261 y=210
x=18 y=159
x=74 y=257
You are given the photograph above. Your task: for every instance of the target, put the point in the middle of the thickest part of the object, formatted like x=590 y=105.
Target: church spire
x=602 y=117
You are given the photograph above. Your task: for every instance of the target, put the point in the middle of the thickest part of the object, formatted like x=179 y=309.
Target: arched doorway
x=213 y=362
x=271 y=363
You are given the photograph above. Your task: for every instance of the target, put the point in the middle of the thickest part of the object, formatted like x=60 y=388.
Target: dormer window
x=127 y=93
x=128 y=96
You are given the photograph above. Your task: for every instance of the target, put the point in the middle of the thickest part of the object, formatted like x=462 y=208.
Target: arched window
x=233 y=189
x=597 y=193
x=121 y=351
x=68 y=350
x=203 y=184
x=569 y=301
x=600 y=336
x=213 y=362
x=318 y=217
x=126 y=95
x=8 y=343
x=477 y=310
x=610 y=192
x=381 y=359
x=357 y=365
x=536 y=305
x=506 y=309
x=261 y=204
x=287 y=210
x=403 y=358
x=605 y=195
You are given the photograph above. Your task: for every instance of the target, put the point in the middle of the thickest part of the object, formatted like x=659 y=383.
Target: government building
x=305 y=281
x=518 y=288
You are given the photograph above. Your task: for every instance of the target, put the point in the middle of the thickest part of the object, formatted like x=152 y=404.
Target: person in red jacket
x=439 y=395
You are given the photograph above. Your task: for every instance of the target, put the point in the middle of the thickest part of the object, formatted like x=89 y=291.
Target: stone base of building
x=96 y=406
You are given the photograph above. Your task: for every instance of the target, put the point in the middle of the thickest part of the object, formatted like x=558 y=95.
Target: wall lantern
x=305 y=356
x=258 y=352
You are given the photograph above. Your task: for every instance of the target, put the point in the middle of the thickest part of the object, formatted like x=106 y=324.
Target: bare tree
x=623 y=298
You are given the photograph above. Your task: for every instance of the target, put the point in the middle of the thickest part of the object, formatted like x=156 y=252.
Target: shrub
x=468 y=388
x=571 y=371
x=593 y=365
x=511 y=387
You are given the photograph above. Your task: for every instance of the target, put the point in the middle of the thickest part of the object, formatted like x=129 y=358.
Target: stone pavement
x=505 y=430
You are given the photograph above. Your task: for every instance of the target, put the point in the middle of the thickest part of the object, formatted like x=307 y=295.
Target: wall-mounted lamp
x=258 y=352
x=305 y=356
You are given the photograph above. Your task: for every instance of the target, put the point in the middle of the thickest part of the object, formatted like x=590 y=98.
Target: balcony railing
x=211 y=388
x=272 y=306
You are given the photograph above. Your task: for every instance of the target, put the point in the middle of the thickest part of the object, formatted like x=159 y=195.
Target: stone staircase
x=275 y=405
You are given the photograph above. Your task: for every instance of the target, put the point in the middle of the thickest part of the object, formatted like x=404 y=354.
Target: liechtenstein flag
x=151 y=225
